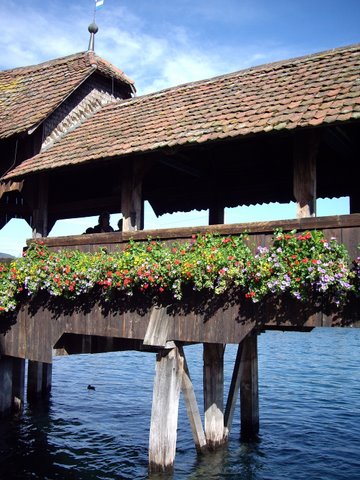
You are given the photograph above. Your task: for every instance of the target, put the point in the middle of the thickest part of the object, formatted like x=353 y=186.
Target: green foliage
x=306 y=266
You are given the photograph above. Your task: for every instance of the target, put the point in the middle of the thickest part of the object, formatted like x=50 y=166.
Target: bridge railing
x=345 y=228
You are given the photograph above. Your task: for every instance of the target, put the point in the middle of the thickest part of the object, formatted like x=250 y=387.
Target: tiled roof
x=29 y=94
x=309 y=91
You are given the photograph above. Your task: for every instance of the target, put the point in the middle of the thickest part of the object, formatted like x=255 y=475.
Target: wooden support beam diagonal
x=179 y=165
x=192 y=407
x=233 y=393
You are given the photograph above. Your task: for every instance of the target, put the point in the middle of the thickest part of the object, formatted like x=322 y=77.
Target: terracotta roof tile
x=308 y=91
x=29 y=94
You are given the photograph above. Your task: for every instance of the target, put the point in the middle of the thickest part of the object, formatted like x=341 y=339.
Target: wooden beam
x=249 y=392
x=214 y=394
x=233 y=393
x=180 y=166
x=306 y=223
x=164 y=413
x=305 y=153
x=85 y=207
x=192 y=407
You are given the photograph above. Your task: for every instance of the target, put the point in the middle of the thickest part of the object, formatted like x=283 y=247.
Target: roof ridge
x=40 y=66
x=255 y=69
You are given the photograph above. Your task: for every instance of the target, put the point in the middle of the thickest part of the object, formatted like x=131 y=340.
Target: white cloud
x=154 y=59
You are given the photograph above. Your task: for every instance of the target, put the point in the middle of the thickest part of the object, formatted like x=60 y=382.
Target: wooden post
x=18 y=384
x=39 y=380
x=6 y=375
x=216 y=215
x=46 y=379
x=192 y=407
x=132 y=204
x=305 y=152
x=355 y=203
x=40 y=210
x=249 y=392
x=214 y=394
x=165 y=407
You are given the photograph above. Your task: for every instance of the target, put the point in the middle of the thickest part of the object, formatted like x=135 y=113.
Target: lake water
x=309 y=386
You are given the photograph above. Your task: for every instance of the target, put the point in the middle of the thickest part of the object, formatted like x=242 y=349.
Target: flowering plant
x=306 y=266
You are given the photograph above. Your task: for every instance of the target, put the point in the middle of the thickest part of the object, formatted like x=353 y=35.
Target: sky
x=165 y=43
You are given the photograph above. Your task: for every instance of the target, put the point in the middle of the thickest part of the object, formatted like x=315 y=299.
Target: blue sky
x=163 y=43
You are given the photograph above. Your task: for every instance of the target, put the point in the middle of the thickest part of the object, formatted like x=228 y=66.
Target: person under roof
x=103 y=224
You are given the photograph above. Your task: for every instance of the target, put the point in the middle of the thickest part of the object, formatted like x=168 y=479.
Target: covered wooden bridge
x=282 y=132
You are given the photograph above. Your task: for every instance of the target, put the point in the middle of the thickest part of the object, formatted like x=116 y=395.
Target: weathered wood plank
x=164 y=413
x=214 y=395
x=158 y=329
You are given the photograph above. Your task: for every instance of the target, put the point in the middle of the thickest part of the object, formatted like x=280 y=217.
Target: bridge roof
x=310 y=91
x=29 y=94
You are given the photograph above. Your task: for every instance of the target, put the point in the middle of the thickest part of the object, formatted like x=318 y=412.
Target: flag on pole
x=99 y=3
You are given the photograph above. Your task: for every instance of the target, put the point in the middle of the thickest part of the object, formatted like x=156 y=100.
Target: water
x=309 y=389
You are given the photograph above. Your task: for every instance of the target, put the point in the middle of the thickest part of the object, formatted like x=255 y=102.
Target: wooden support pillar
x=214 y=394
x=216 y=215
x=34 y=380
x=40 y=210
x=165 y=407
x=305 y=152
x=39 y=380
x=6 y=375
x=18 y=384
x=46 y=379
x=355 y=203
x=249 y=392
x=132 y=204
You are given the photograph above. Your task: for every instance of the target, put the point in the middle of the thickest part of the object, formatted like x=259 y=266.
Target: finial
x=93 y=28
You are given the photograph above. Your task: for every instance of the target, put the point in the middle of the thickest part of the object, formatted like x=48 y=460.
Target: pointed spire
x=93 y=28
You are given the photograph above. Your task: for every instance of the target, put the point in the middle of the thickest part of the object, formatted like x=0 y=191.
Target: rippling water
x=309 y=417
